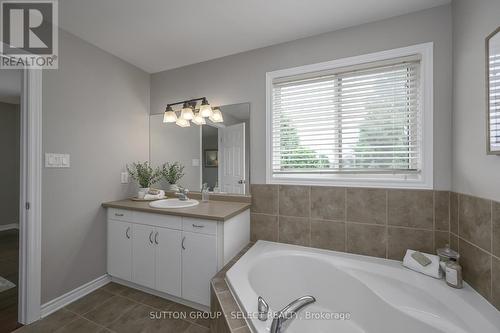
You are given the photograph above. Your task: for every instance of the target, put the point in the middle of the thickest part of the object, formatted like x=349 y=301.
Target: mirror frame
x=489 y=151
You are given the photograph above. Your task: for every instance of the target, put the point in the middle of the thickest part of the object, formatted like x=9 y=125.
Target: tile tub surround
x=384 y=223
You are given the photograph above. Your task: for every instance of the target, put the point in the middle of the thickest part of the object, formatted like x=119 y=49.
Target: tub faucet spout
x=289 y=312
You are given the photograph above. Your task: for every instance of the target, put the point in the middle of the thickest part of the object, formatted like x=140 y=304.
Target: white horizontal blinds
x=494 y=98
x=364 y=120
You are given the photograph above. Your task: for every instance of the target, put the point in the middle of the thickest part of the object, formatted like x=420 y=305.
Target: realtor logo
x=29 y=33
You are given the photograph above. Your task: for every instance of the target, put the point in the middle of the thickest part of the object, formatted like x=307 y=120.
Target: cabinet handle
x=156 y=238
x=198 y=226
x=151 y=237
x=120 y=215
x=182 y=244
x=127 y=233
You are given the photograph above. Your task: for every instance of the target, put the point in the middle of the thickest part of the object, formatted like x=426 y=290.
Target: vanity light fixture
x=216 y=116
x=169 y=116
x=187 y=111
x=205 y=109
x=190 y=112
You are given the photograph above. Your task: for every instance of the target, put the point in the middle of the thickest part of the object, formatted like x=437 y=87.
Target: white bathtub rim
x=466 y=297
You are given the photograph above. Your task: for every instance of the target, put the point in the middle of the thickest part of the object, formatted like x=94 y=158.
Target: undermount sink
x=173 y=203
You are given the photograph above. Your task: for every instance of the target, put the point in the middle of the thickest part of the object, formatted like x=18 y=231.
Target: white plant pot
x=142 y=192
x=172 y=187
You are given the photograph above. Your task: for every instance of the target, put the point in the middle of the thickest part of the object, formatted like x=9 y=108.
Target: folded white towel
x=160 y=195
x=432 y=269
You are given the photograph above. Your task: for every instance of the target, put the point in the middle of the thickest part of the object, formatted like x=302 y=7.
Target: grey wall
x=241 y=78
x=171 y=143
x=474 y=172
x=9 y=167
x=96 y=108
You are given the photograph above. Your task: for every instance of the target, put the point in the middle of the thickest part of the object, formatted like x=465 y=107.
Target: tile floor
x=9 y=269
x=116 y=308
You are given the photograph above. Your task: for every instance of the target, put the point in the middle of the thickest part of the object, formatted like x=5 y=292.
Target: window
x=358 y=121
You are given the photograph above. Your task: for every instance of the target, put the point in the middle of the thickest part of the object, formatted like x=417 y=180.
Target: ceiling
x=10 y=86
x=157 y=35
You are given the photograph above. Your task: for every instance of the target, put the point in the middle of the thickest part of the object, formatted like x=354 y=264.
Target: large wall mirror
x=216 y=154
x=493 y=92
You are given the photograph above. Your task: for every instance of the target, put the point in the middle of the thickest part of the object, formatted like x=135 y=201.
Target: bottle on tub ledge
x=450 y=266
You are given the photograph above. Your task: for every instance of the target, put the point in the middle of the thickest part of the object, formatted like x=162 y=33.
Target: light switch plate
x=124 y=177
x=57 y=160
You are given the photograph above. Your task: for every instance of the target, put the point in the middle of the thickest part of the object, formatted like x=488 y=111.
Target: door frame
x=30 y=209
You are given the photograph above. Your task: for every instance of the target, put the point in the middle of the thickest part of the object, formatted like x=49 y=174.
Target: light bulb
x=187 y=112
x=198 y=119
x=217 y=116
x=205 y=109
x=182 y=122
x=169 y=117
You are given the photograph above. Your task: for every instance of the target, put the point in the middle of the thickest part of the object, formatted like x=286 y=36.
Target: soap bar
x=421 y=259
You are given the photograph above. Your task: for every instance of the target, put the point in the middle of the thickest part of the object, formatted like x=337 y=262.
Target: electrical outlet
x=124 y=177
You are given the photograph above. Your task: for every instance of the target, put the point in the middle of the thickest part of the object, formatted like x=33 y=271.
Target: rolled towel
x=159 y=195
x=432 y=269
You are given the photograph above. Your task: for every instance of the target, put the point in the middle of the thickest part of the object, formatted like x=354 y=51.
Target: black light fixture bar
x=188 y=101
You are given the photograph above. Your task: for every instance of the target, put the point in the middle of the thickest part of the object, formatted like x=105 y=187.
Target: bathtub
x=353 y=294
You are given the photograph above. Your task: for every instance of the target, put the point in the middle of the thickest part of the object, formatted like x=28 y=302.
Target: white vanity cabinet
x=173 y=255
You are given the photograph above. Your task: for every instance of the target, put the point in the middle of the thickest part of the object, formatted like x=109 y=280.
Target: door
x=232 y=164
x=168 y=261
x=199 y=265
x=143 y=255
x=120 y=249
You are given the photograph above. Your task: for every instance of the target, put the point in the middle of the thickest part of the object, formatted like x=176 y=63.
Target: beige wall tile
x=475 y=221
x=263 y=227
x=294 y=200
x=329 y=235
x=495 y=275
x=366 y=205
x=370 y=240
x=442 y=210
x=294 y=230
x=454 y=213
x=327 y=203
x=401 y=239
x=410 y=208
x=441 y=238
x=476 y=265
x=496 y=228
x=265 y=199
x=454 y=242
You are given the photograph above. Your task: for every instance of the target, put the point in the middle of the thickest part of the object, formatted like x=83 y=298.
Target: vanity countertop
x=211 y=210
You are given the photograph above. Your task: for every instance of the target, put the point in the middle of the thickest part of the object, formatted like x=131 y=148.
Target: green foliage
x=303 y=157
x=144 y=174
x=172 y=172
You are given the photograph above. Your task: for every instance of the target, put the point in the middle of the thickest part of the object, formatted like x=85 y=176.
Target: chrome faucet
x=262 y=309
x=182 y=194
x=289 y=312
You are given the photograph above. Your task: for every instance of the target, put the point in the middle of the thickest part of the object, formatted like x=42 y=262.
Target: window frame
x=424 y=180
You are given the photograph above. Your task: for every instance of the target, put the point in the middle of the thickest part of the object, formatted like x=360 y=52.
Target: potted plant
x=145 y=175
x=172 y=173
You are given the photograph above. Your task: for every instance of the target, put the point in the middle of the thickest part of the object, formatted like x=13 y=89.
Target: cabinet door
x=168 y=261
x=120 y=249
x=199 y=265
x=143 y=255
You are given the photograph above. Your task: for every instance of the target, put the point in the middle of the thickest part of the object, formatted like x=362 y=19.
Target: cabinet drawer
x=159 y=220
x=120 y=214
x=199 y=226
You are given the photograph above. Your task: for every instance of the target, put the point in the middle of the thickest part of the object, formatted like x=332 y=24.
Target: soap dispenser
x=448 y=260
x=205 y=196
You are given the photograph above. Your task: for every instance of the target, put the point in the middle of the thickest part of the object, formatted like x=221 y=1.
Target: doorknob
x=241 y=181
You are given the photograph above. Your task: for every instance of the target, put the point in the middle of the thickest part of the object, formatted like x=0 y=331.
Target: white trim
x=30 y=192
x=73 y=295
x=426 y=180
x=10 y=226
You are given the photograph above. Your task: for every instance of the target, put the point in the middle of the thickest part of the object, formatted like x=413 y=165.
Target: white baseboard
x=73 y=295
x=4 y=227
